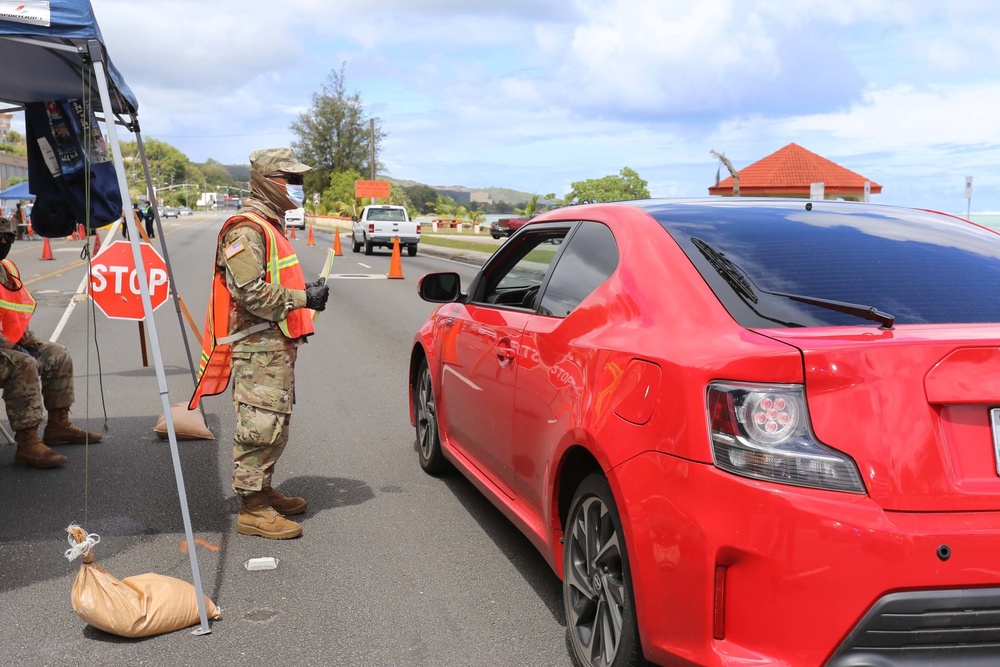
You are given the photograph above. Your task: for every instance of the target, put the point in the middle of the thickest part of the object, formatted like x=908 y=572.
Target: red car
x=743 y=432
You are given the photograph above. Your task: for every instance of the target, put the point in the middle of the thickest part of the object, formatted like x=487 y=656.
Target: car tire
x=429 y=452
x=411 y=250
x=597 y=582
x=355 y=246
x=495 y=236
x=368 y=247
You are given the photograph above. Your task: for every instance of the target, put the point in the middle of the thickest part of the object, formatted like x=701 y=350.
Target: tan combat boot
x=284 y=504
x=59 y=430
x=258 y=518
x=32 y=452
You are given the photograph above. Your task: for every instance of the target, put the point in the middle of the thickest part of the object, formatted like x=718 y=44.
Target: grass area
x=459 y=244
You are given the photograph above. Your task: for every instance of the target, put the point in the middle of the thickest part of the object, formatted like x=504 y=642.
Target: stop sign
x=114 y=282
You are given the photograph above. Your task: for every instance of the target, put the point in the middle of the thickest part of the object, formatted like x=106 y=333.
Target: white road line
x=79 y=295
x=364 y=265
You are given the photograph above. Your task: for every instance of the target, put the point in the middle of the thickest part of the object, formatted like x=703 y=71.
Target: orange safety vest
x=16 y=306
x=282 y=268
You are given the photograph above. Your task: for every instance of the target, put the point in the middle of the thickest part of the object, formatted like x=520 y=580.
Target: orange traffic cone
x=336 y=243
x=81 y=233
x=310 y=240
x=291 y=232
x=74 y=236
x=97 y=244
x=396 y=264
x=47 y=249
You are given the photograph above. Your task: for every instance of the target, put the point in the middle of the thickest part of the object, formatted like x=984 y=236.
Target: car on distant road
x=742 y=432
x=384 y=225
x=170 y=212
x=506 y=226
x=184 y=210
x=296 y=218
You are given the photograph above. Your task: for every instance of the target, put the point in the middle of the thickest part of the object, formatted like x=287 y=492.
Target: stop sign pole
x=97 y=58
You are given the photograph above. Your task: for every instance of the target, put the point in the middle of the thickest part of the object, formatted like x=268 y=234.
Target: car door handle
x=505 y=352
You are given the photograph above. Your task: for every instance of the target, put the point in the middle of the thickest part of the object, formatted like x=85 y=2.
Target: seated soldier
x=24 y=359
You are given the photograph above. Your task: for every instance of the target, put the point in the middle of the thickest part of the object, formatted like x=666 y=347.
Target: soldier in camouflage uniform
x=263 y=360
x=33 y=373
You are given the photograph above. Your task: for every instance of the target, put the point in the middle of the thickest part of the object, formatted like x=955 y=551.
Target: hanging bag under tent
x=64 y=144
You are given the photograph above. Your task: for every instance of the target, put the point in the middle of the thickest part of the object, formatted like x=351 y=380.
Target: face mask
x=4 y=249
x=295 y=193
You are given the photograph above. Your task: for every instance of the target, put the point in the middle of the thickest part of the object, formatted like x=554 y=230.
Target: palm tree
x=530 y=207
x=476 y=216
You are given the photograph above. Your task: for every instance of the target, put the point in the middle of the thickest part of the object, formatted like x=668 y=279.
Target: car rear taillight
x=418 y=230
x=763 y=432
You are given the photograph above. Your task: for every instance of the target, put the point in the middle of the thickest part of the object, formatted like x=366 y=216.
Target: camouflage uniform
x=20 y=373
x=263 y=363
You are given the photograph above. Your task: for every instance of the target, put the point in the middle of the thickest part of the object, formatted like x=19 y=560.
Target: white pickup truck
x=379 y=224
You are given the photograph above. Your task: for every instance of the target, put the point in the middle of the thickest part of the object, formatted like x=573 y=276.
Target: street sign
x=371 y=189
x=114 y=282
x=868 y=190
x=816 y=190
x=968 y=187
x=315 y=199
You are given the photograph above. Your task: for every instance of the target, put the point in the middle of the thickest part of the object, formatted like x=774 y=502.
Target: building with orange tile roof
x=791 y=171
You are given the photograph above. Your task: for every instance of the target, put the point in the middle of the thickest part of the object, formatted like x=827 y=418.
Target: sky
x=536 y=94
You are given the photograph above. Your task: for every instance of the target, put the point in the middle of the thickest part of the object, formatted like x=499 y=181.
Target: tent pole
x=97 y=57
x=166 y=254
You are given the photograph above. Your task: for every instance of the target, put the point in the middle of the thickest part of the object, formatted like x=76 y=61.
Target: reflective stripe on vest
x=281 y=268
x=16 y=306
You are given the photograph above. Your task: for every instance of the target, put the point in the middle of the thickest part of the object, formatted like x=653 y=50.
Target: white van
x=296 y=218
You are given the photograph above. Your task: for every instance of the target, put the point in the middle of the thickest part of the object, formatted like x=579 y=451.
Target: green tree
x=530 y=207
x=422 y=197
x=625 y=186
x=334 y=135
x=340 y=190
x=476 y=216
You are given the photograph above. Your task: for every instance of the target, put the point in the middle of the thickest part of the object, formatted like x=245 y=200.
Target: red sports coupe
x=743 y=432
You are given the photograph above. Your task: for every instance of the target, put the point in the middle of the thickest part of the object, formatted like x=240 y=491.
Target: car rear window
x=917 y=266
x=388 y=214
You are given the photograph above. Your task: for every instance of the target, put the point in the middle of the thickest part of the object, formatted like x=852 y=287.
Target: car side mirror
x=441 y=287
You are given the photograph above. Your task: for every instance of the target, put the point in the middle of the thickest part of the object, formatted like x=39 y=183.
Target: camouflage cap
x=276 y=160
x=6 y=225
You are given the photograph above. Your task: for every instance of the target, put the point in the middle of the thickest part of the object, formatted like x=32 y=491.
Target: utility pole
x=371 y=134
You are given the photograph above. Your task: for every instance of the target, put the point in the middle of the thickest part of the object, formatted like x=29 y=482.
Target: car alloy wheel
x=428 y=439
x=597 y=588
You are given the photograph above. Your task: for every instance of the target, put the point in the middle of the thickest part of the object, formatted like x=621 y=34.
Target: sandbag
x=139 y=606
x=188 y=424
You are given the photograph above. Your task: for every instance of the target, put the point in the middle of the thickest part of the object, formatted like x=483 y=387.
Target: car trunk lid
x=913 y=406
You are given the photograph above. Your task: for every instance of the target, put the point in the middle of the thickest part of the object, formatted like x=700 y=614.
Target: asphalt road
x=394 y=567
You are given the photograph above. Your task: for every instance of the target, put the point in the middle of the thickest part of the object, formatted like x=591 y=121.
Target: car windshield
x=920 y=267
x=388 y=214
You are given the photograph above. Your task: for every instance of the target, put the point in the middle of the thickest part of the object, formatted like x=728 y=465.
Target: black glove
x=316 y=296
x=18 y=348
x=316 y=283
x=32 y=350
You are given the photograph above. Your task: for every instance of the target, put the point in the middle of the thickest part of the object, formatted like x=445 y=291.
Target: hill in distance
x=495 y=194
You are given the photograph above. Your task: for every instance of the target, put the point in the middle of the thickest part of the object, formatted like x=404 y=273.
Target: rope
x=84 y=547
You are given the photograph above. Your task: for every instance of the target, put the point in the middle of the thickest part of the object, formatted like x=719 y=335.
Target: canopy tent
x=46 y=54
x=18 y=192
x=53 y=50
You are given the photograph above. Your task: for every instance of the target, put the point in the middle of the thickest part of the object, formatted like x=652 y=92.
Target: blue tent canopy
x=47 y=48
x=18 y=191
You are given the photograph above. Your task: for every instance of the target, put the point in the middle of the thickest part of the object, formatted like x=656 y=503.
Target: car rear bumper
x=808 y=574
x=387 y=240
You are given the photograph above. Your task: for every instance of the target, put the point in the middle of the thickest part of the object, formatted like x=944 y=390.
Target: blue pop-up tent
x=53 y=51
x=17 y=192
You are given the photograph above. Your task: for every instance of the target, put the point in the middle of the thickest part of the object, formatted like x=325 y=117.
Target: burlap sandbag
x=188 y=424
x=139 y=606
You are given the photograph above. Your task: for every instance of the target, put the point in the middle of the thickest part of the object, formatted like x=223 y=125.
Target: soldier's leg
x=261 y=436
x=23 y=400
x=57 y=394
x=261 y=396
